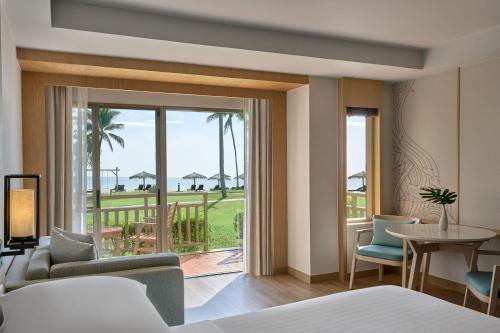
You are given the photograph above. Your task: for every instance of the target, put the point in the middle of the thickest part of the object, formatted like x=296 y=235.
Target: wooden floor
x=225 y=295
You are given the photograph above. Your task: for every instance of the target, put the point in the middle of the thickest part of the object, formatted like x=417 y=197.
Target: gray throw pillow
x=64 y=249
x=85 y=238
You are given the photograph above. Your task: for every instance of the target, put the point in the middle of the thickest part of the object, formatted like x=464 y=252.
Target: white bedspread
x=380 y=309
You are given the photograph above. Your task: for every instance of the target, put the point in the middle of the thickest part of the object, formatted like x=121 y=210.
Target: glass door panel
x=207 y=230
x=126 y=191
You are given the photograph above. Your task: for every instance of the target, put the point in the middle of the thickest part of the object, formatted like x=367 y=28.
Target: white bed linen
x=380 y=309
x=91 y=304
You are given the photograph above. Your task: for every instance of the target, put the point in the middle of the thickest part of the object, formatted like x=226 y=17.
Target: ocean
x=108 y=183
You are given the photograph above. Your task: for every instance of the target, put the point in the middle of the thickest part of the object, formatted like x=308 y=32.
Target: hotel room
x=249 y=166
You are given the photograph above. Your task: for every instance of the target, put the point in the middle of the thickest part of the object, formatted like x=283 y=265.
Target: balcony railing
x=187 y=234
x=356 y=204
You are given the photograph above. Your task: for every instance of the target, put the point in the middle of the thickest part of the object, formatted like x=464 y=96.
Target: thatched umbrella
x=217 y=178
x=360 y=175
x=143 y=175
x=194 y=176
x=242 y=176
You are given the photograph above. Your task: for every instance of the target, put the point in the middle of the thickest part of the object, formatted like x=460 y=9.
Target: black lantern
x=21 y=213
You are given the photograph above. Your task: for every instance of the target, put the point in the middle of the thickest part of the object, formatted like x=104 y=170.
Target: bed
x=110 y=304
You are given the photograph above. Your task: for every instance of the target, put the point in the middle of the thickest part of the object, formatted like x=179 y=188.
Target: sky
x=193 y=145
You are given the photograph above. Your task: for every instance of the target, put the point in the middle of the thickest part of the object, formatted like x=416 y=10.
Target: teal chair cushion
x=381 y=237
x=383 y=252
x=479 y=281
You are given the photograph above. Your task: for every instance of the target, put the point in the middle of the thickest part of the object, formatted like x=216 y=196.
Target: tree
x=228 y=126
x=220 y=117
x=107 y=126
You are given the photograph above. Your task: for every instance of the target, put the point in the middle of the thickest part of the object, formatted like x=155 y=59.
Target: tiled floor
x=212 y=262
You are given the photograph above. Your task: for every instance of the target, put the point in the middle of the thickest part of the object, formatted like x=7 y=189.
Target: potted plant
x=442 y=197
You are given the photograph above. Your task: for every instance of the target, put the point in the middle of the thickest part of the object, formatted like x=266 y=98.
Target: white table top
x=431 y=233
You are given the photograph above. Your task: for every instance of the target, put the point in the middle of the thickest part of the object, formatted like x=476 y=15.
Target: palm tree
x=106 y=128
x=220 y=117
x=228 y=126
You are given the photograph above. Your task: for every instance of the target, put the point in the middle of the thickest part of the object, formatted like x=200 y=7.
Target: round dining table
x=424 y=239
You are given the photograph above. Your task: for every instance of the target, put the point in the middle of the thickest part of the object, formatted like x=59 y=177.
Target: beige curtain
x=65 y=116
x=258 y=183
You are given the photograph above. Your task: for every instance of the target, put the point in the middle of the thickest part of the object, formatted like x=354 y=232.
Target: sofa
x=161 y=274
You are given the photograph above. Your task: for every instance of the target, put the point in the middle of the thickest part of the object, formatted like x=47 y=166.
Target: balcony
x=211 y=242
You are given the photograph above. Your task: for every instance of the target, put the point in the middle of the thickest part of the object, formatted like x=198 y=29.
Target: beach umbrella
x=217 y=178
x=194 y=176
x=143 y=175
x=360 y=175
x=242 y=176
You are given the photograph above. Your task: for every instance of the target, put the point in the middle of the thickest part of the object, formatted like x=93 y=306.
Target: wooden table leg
x=425 y=271
x=404 y=268
x=118 y=245
x=415 y=264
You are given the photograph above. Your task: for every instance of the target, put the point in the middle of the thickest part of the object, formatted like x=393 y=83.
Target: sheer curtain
x=66 y=126
x=258 y=178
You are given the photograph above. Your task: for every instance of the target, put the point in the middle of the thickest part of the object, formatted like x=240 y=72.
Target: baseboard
x=299 y=275
x=325 y=277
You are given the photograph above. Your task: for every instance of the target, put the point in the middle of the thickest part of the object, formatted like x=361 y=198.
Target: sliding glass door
x=167 y=179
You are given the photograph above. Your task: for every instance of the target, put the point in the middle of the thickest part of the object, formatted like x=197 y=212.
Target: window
x=360 y=162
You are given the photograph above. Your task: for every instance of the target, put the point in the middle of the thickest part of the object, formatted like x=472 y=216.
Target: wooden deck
x=215 y=262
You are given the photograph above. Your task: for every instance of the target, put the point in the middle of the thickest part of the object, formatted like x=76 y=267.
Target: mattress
x=378 y=309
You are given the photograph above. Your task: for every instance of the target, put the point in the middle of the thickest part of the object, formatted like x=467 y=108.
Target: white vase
x=443 y=220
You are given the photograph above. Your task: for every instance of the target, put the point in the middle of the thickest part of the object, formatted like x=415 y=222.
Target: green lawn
x=221 y=214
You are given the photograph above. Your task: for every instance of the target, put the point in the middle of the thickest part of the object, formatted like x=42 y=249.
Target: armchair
x=384 y=249
x=483 y=285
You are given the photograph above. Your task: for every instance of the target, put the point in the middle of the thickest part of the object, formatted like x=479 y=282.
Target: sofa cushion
x=113 y=265
x=39 y=264
x=85 y=238
x=64 y=249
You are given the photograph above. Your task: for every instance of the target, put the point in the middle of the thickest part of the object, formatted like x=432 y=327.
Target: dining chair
x=146 y=232
x=483 y=285
x=384 y=249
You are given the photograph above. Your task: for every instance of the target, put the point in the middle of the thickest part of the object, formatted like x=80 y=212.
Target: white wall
x=312 y=177
x=430 y=119
x=299 y=246
x=10 y=108
x=323 y=155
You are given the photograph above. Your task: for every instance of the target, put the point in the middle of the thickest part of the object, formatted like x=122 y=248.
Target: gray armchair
x=161 y=274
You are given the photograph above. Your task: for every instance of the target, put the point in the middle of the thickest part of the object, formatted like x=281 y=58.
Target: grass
x=221 y=215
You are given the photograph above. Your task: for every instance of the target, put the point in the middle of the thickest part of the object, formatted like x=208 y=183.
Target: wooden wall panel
x=356 y=93
x=149 y=70
x=34 y=154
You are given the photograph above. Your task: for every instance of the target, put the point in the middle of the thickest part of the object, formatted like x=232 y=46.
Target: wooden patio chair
x=146 y=232
x=484 y=285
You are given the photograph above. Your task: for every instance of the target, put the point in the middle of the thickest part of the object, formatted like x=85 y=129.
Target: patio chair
x=200 y=187
x=146 y=232
x=148 y=186
x=140 y=188
x=216 y=188
x=384 y=248
x=192 y=188
x=484 y=285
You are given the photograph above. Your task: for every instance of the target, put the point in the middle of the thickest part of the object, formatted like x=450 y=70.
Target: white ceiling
x=431 y=24
x=417 y=23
